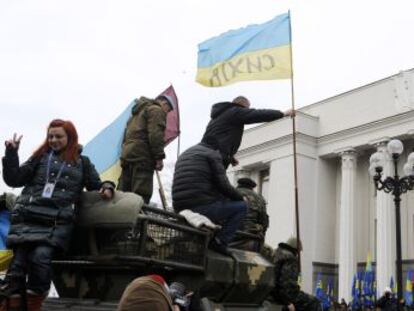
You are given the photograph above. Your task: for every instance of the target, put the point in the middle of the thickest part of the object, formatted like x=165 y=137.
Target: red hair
x=71 y=152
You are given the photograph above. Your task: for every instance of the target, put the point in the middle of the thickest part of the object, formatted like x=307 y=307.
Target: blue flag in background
x=319 y=290
x=5 y=254
x=392 y=285
x=4 y=227
x=408 y=295
x=356 y=291
x=320 y=294
x=329 y=293
x=367 y=289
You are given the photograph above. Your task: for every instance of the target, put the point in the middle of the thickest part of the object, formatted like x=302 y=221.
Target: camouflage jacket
x=286 y=274
x=257 y=220
x=144 y=135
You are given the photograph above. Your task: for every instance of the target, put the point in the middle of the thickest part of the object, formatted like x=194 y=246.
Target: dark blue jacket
x=200 y=179
x=46 y=220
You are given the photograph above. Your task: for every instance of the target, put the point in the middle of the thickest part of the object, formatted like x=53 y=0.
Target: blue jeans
x=35 y=261
x=228 y=214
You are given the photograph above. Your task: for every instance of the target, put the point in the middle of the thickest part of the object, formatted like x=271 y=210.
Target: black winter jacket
x=387 y=303
x=200 y=178
x=227 y=125
x=46 y=220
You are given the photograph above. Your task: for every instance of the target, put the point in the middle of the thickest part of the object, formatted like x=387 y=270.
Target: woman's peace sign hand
x=13 y=143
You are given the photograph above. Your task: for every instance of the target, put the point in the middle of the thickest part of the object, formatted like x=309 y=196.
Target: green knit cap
x=293 y=242
x=8 y=199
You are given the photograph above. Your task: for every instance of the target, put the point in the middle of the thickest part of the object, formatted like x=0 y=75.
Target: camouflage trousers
x=138 y=178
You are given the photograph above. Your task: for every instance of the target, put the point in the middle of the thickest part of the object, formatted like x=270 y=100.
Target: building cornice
x=277 y=143
x=357 y=89
x=404 y=117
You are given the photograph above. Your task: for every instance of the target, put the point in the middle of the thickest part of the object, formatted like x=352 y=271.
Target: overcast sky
x=86 y=60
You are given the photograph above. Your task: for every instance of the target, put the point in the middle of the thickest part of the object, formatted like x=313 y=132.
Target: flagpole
x=295 y=165
x=178 y=145
x=161 y=191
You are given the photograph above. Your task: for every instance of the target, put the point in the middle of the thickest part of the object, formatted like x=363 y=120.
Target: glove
x=197 y=220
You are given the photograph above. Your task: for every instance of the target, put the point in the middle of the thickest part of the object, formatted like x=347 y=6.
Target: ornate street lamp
x=396 y=186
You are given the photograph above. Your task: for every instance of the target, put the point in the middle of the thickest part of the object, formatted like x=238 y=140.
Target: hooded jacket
x=227 y=125
x=200 y=179
x=144 y=134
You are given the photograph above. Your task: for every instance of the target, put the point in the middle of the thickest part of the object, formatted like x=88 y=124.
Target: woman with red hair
x=42 y=219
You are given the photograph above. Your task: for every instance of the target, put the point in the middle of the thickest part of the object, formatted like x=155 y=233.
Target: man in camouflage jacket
x=256 y=221
x=287 y=290
x=143 y=145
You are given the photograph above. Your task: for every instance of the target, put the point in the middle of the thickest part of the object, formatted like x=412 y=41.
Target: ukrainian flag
x=409 y=289
x=256 y=52
x=104 y=149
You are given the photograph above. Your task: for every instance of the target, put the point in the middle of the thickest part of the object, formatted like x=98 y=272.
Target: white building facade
x=342 y=216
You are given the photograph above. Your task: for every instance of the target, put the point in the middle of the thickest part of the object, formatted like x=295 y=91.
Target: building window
x=263 y=188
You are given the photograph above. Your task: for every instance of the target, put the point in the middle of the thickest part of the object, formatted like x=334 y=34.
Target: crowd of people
x=53 y=178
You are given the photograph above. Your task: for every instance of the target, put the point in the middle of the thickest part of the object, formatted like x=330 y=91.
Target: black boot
x=219 y=247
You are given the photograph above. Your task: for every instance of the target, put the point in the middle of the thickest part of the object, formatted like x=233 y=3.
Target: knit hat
x=169 y=99
x=293 y=242
x=246 y=183
x=7 y=200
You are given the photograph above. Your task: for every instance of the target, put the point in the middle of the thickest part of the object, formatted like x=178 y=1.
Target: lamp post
x=395 y=185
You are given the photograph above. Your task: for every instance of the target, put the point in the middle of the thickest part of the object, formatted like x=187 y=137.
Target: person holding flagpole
x=143 y=145
x=227 y=124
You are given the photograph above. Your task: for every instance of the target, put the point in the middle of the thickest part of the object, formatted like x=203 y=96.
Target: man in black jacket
x=227 y=124
x=387 y=301
x=200 y=184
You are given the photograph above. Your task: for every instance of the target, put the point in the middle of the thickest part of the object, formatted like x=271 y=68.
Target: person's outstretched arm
x=250 y=116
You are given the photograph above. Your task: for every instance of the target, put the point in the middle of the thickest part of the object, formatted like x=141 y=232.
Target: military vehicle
x=105 y=257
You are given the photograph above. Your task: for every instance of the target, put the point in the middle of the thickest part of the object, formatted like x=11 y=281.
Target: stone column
x=385 y=257
x=347 y=263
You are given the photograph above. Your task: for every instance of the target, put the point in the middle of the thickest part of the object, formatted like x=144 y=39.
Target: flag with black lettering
x=256 y=52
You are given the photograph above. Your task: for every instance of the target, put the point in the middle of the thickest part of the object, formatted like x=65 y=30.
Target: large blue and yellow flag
x=256 y=52
x=104 y=149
